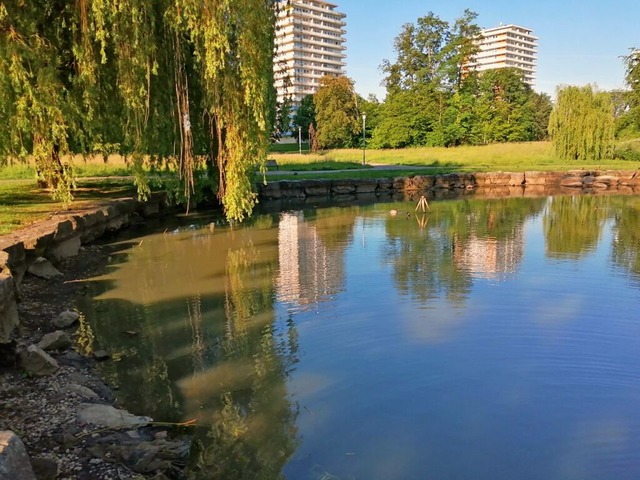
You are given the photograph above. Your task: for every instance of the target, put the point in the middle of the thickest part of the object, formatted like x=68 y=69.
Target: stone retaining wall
x=624 y=181
x=60 y=237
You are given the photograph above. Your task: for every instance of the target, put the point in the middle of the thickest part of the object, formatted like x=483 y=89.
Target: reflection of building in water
x=309 y=271
x=489 y=257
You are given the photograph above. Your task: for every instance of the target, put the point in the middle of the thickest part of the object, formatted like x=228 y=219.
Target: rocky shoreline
x=67 y=419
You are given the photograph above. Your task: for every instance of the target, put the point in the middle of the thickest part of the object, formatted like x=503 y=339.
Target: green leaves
x=582 y=124
x=169 y=79
x=337 y=114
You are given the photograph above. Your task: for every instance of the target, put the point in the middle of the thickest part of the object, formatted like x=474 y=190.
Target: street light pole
x=300 y=140
x=364 y=139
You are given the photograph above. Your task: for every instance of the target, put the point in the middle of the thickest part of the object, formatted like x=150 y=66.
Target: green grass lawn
x=288 y=147
x=22 y=203
x=515 y=157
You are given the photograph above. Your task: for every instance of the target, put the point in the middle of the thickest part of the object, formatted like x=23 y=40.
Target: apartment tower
x=310 y=39
x=508 y=46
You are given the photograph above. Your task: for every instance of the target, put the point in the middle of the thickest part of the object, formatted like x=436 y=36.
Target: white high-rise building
x=508 y=46
x=310 y=39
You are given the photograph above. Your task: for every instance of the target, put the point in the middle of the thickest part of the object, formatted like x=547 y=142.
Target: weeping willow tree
x=581 y=124
x=186 y=84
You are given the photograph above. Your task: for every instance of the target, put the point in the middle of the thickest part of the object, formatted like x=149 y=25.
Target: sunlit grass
x=497 y=157
x=22 y=202
x=93 y=166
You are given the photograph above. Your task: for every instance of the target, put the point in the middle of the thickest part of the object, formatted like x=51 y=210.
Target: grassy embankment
x=22 y=203
x=514 y=157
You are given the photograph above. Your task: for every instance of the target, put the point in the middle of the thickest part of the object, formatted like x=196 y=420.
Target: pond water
x=485 y=339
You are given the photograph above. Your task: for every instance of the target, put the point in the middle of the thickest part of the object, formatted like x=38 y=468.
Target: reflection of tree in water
x=252 y=431
x=193 y=315
x=493 y=218
x=626 y=241
x=334 y=225
x=573 y=224
x=424 y=257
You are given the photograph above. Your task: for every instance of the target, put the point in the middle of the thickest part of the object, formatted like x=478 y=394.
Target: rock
x=157 y=456
x=81 y=390
x=14 y=461
x=108 y=416
x=57 y=340
x=37 y=362
x=42 y=268
x=66 y=319
x=101 y=355
x=45 y=468
x=72 y=359
x=8 y=307
x=65 y=249
x=8 y=354
x=571 y=182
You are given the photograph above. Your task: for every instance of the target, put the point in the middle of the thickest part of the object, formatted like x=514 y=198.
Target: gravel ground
x=42 y=411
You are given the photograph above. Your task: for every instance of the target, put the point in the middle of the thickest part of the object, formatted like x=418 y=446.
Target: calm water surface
x=486 y=340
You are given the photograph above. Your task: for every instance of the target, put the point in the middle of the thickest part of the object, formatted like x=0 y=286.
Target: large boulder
x=57 y=340
x=14 y=461
x=36 y=361
x=108 y=416
x=42 y=268
x=8 y=308
x=66 y=319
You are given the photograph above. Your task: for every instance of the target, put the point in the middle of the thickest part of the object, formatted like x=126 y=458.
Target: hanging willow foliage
x=185 y=83
x=582 y=124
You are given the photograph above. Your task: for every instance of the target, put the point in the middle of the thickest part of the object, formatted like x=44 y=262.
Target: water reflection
x=573 y=224
x=349 y=343
x=191 y=318
x=460 y=241
x=626 y=243
x=311 y=263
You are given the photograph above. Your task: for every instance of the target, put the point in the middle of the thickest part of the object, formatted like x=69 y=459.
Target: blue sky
x=580 y=42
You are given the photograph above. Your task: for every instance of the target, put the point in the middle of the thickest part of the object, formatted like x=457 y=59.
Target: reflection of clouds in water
x=203 y=388
x=593 y=450
x=389 y=459
x=559 y=311
x=438 y=322
x=307 y=385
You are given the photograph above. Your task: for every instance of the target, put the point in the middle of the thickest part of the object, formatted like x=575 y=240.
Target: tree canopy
x=632 y=77
x=582 y=124
x=305 y=116
x=178 y=82
x=432 y=51
x=337 y=114
x=436 y=98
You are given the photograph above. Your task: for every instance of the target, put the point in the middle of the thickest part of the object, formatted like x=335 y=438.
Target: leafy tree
x=405 y=118
x=632 y=62
x=542 y=107
x=371 y=108
x=504 y=109
x=170 y=80
x=582 y=124
x=427 y=73
x=432 y=51
x=283 y=123
x=305 y=116
x=337 y=115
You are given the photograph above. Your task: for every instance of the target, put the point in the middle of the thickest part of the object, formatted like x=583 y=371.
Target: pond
x=486 y=339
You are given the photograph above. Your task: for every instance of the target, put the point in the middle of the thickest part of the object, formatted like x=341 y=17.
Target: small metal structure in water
x=423 y=204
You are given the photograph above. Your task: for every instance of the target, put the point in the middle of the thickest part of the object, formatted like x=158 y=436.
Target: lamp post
x=364 y=139
x=300 y=140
